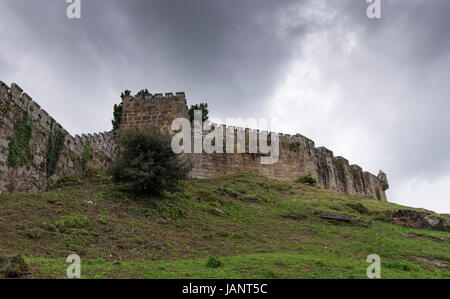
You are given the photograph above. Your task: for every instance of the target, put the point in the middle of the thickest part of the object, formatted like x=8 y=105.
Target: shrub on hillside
x=147 y=163
x=214 y=262
x=307 y=179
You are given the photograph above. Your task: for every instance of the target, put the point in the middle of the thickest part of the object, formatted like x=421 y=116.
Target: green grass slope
x=258 y=228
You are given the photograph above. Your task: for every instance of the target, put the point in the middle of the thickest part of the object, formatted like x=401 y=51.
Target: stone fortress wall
x=14 y=103
x=298 y=154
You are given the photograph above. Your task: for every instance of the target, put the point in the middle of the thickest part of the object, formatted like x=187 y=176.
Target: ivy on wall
x=19 y=142
x=377 y=192
x=203 y=107
x=86 y=156
x=54 y=148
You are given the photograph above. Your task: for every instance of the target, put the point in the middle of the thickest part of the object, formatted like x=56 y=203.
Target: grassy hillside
x=258 y=228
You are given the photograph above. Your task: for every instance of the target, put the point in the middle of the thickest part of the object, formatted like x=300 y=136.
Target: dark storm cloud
x=203 y=44
x=411 y=65
x=220 y=51
x=390 y=88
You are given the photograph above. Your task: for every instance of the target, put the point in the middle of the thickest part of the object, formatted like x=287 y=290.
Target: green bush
x=307 y=179
x=214 y=262
x=203 y=107
x=147 y=163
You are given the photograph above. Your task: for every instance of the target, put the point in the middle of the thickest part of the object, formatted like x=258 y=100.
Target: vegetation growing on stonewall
x=118 y=108
x=147 y=162
x=377 y=192
x=143 y=92
x=203 y=107
x=54 y=148
x=117 y=111
x=117 y=114
x=19 y=142
x=86 y=156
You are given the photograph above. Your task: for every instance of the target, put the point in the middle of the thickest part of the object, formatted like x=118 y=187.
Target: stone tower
x=158 y=110
x=383 y=178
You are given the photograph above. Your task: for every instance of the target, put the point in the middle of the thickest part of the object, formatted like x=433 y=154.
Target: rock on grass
x=345 y=218
x=417 y=219
x=13 y=267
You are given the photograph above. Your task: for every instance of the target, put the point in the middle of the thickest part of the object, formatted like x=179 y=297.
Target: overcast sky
x=373 y=91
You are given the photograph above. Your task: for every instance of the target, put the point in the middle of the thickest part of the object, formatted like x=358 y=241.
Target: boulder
x=433 y=263
x=417 y=219
x=13 y=267
x=340 y=217
x=347 y=219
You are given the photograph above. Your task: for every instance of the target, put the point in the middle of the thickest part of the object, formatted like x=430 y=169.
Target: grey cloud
x=215 y=50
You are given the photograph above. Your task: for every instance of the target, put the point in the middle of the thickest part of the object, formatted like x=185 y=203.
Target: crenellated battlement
x=14 y=104
x=156 y=98
x=158 y=109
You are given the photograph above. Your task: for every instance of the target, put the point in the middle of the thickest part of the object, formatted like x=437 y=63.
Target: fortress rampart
x=298 y=154
x=14 y=103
